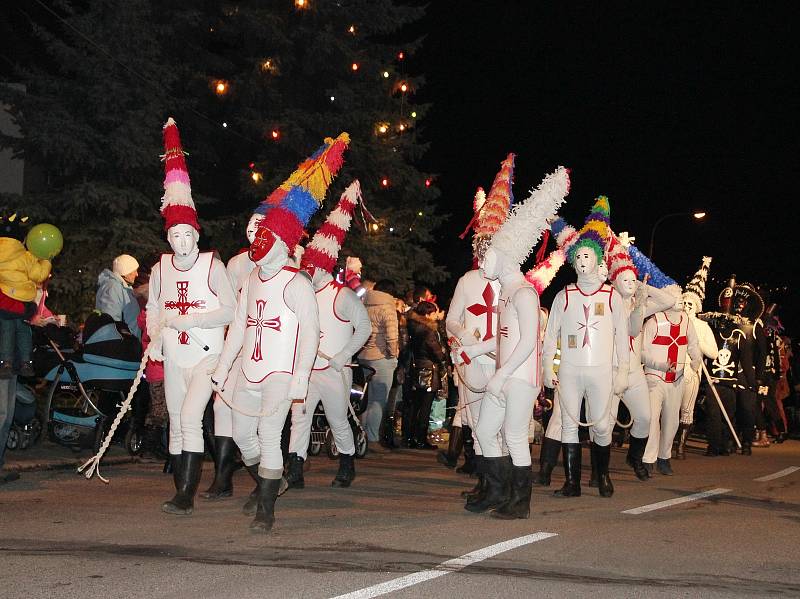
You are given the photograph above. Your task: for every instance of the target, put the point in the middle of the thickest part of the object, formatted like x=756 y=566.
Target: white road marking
x=452 y=565
x=678 y=500
x=783 y=472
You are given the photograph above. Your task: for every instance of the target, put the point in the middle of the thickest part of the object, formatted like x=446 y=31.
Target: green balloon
x=44 y=241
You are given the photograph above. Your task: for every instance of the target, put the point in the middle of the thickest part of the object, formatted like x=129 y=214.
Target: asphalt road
x=64 y=536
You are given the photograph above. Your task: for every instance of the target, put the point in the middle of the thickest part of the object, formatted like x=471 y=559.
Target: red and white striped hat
x=617 y=259
x=177 y=206
x=323 y=249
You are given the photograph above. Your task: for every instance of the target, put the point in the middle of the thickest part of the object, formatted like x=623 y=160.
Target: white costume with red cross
x=192 y=287
x=589 y=321
x=472 y=318
x=668 y=342
x=344 y=328
x=276 y=329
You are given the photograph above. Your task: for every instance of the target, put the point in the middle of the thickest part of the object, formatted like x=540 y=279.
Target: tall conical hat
x=290 y=207
x=177 y=206
x=523 y=228
x=494 y=211
x=697 y=285
x=323 y=249
x=595 y=231
x=617 y=258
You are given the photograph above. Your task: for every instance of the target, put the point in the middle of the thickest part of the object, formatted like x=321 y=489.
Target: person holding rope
x=590 y=321
x=511 y=392
x=189 y=303
x=276 y=328
x=344 y=327
x=472 y=315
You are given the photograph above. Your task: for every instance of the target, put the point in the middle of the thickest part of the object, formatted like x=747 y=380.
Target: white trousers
x=691 y=385
x=187 y=391
x=223 y=414
x=259 y=438
x=593 y=382
x=511 y=414
x=637 y=400
x=333 y=389
x=665 y=407
x=469 y=402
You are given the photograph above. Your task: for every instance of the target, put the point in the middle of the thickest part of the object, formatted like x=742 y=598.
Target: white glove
x=155 y=350
x=218 y=377
x=640 y=295
x=494 y=388
x=549 y=378
x=298 y=387
x=468 y=339
x=620 y=381
x=182 y=322
x=338 y=361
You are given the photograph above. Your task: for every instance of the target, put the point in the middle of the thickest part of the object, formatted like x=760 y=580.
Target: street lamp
x=696 y=215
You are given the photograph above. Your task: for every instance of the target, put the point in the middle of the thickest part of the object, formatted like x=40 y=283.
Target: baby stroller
x=27 y=424
x=321 y=433
x=87 y=389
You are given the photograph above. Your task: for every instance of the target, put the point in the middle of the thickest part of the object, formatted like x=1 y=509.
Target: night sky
x=663 y=107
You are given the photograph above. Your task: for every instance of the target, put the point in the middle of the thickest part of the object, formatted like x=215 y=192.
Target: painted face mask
x=262 y=244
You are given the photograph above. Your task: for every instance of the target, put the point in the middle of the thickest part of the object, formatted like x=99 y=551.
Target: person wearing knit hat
x=472 y=317
x=511 y=391
x=693 y=296
x=115 y=295
x=589 y=320
x=276 y=327
x=344 y=328
x=190 y=302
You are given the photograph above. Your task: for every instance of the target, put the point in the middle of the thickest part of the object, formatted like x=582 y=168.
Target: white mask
x=585 y=261
x=625 y=283
x=183 y=239
x=491 y=265
x=252 y=225
x=602 y=270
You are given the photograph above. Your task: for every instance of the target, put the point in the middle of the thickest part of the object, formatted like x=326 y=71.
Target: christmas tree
x=254 y=87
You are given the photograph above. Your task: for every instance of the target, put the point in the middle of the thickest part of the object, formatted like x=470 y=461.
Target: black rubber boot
x=548 y=457
x=497 y=472
x=388 y=440
x=571 y=455
x=268 y=489
x=249 y=507
x=225 y=466
x=593 y=477
x=634 y=458
x=680 y=438
x=294 y=472
x=468 y=467
x=346 y=473
x=480 y=487
x=518 y=505
x=602 y=458
x=187 y=479
x=449 y=458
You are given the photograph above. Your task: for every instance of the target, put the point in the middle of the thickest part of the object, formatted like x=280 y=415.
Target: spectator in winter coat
x=380 y=352
x=115 y=295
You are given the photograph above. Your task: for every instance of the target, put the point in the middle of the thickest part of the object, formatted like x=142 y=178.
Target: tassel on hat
x=290 y=207
x=177 y=206
x=595 y=232
x=323 y=250
x=697 y=285
x=519 y=234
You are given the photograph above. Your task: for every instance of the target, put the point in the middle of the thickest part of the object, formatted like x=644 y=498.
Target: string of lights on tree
x=400 y=87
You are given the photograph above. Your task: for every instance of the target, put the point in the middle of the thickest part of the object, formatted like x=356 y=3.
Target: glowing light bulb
x=256 y=177
x=252 y=165
x=333 y=98
x=400 y=55
x=352 y=29
x=301 y=4
x=374 y=226
x=354 y=66
x=225 y=125
x=391 y=229
x=403 y=88
x=414 y=114
x=402 y=127
x=383 y=128
x=419 y=213
x=427 y=182
x=275 y=134
x=386 y=74
x=385 y=182
x=221 y=87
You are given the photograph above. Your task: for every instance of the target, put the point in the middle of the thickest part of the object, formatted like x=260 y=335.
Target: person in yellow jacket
x=20 y=274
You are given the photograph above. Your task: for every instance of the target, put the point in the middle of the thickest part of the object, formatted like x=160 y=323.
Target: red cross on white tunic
x=586 y=325
x=488 y=308
x=674 y=341
x=261 y=323
x=182 y=306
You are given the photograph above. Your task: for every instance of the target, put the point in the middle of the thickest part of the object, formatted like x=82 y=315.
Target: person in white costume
x=693 y=296
x=669 y=341
x=512 y=390
x=589 y=320
x=190 y=301
x=238 y=269
x=472 y=315
x=276 y=329
x=344 y=327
